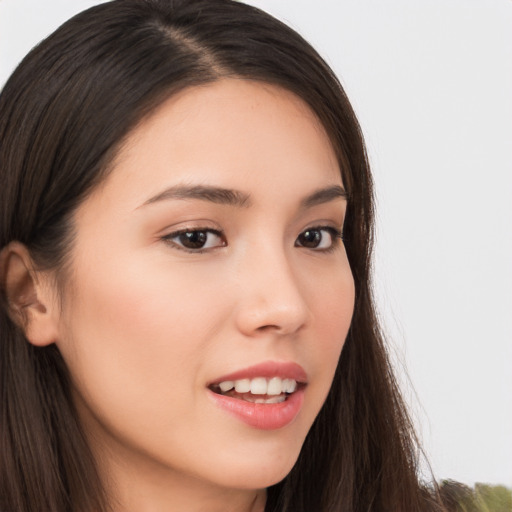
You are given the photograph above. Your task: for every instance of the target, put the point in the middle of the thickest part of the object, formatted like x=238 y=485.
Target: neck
x=147 y=494
x=138 y=485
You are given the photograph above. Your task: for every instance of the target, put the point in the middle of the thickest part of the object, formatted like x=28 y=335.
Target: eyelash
x=335 y=234
x=175 y=234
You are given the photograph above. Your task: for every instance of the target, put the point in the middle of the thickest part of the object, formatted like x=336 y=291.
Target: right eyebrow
x=209 y=193
x=324 y=195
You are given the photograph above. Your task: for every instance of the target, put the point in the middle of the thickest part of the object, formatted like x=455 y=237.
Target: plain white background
x=431 y=82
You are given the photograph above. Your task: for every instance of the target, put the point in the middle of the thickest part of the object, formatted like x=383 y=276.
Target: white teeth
x=260 y=386
x=289 y=385
x=273 y=400
x=275 y=386
x=242 y=386
x=227 y=385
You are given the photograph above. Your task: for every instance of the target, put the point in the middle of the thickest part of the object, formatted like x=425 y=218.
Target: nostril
x=269 y=327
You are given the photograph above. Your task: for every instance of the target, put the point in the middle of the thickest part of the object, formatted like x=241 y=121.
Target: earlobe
x=31 y=304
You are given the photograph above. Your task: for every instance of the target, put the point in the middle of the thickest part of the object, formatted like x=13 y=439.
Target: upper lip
x=284 y=370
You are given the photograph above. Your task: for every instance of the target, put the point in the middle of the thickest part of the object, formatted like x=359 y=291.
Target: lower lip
x=262 y=416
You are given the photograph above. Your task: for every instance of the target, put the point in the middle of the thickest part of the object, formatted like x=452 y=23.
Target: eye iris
x=193 y=239
x=310 y=238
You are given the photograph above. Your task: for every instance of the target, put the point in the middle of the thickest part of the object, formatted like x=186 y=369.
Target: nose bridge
x=271 y=295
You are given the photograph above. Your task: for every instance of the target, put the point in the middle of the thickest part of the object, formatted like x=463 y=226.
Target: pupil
x=310 y=238
x=193 y=239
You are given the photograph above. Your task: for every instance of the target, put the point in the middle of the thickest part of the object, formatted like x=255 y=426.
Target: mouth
x=258 y=390
x=266 y=396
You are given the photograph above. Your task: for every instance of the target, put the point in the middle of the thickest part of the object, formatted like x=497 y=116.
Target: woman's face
x=209 y=258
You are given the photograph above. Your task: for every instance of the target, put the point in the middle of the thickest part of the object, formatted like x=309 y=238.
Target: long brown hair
x=64 y=113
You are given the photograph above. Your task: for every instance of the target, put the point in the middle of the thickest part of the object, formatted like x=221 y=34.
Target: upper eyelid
x=169 y=231
x=189 y=229
x=323 y=226
x=219 y=231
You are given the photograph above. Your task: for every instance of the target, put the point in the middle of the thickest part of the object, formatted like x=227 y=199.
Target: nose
x=271 y=296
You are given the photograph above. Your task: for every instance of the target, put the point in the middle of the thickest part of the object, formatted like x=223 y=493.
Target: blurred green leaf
x=459 y=497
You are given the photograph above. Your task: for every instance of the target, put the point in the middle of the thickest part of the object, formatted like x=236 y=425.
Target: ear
x=31 y=300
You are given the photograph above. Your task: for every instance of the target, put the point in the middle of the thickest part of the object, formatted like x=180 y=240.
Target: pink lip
x=261 y=416
x=264 y=416
x=284 y=370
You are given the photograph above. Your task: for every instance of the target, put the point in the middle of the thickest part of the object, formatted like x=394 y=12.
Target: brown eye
x=310 y=238
x=196 y=239
x=322 y=238
x=193 y=239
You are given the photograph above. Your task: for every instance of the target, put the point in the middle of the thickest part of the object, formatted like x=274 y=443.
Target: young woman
x=187 y=320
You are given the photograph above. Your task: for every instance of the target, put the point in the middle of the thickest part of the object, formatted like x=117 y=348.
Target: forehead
x=233 y=133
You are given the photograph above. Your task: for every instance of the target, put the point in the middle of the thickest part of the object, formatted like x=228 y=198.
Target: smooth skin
x=168 y=292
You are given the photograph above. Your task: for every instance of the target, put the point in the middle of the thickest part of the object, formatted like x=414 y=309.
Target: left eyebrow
x=203 y=193
x=324 y=195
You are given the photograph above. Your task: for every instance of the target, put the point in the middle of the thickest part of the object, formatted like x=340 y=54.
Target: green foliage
x=495 y=498
x=458 y=497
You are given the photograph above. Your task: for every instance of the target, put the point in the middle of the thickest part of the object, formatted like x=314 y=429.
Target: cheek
x=133 y=337
x=332 y=306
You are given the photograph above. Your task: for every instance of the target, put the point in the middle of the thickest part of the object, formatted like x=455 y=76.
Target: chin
x=259 y=471
x=259 y=478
